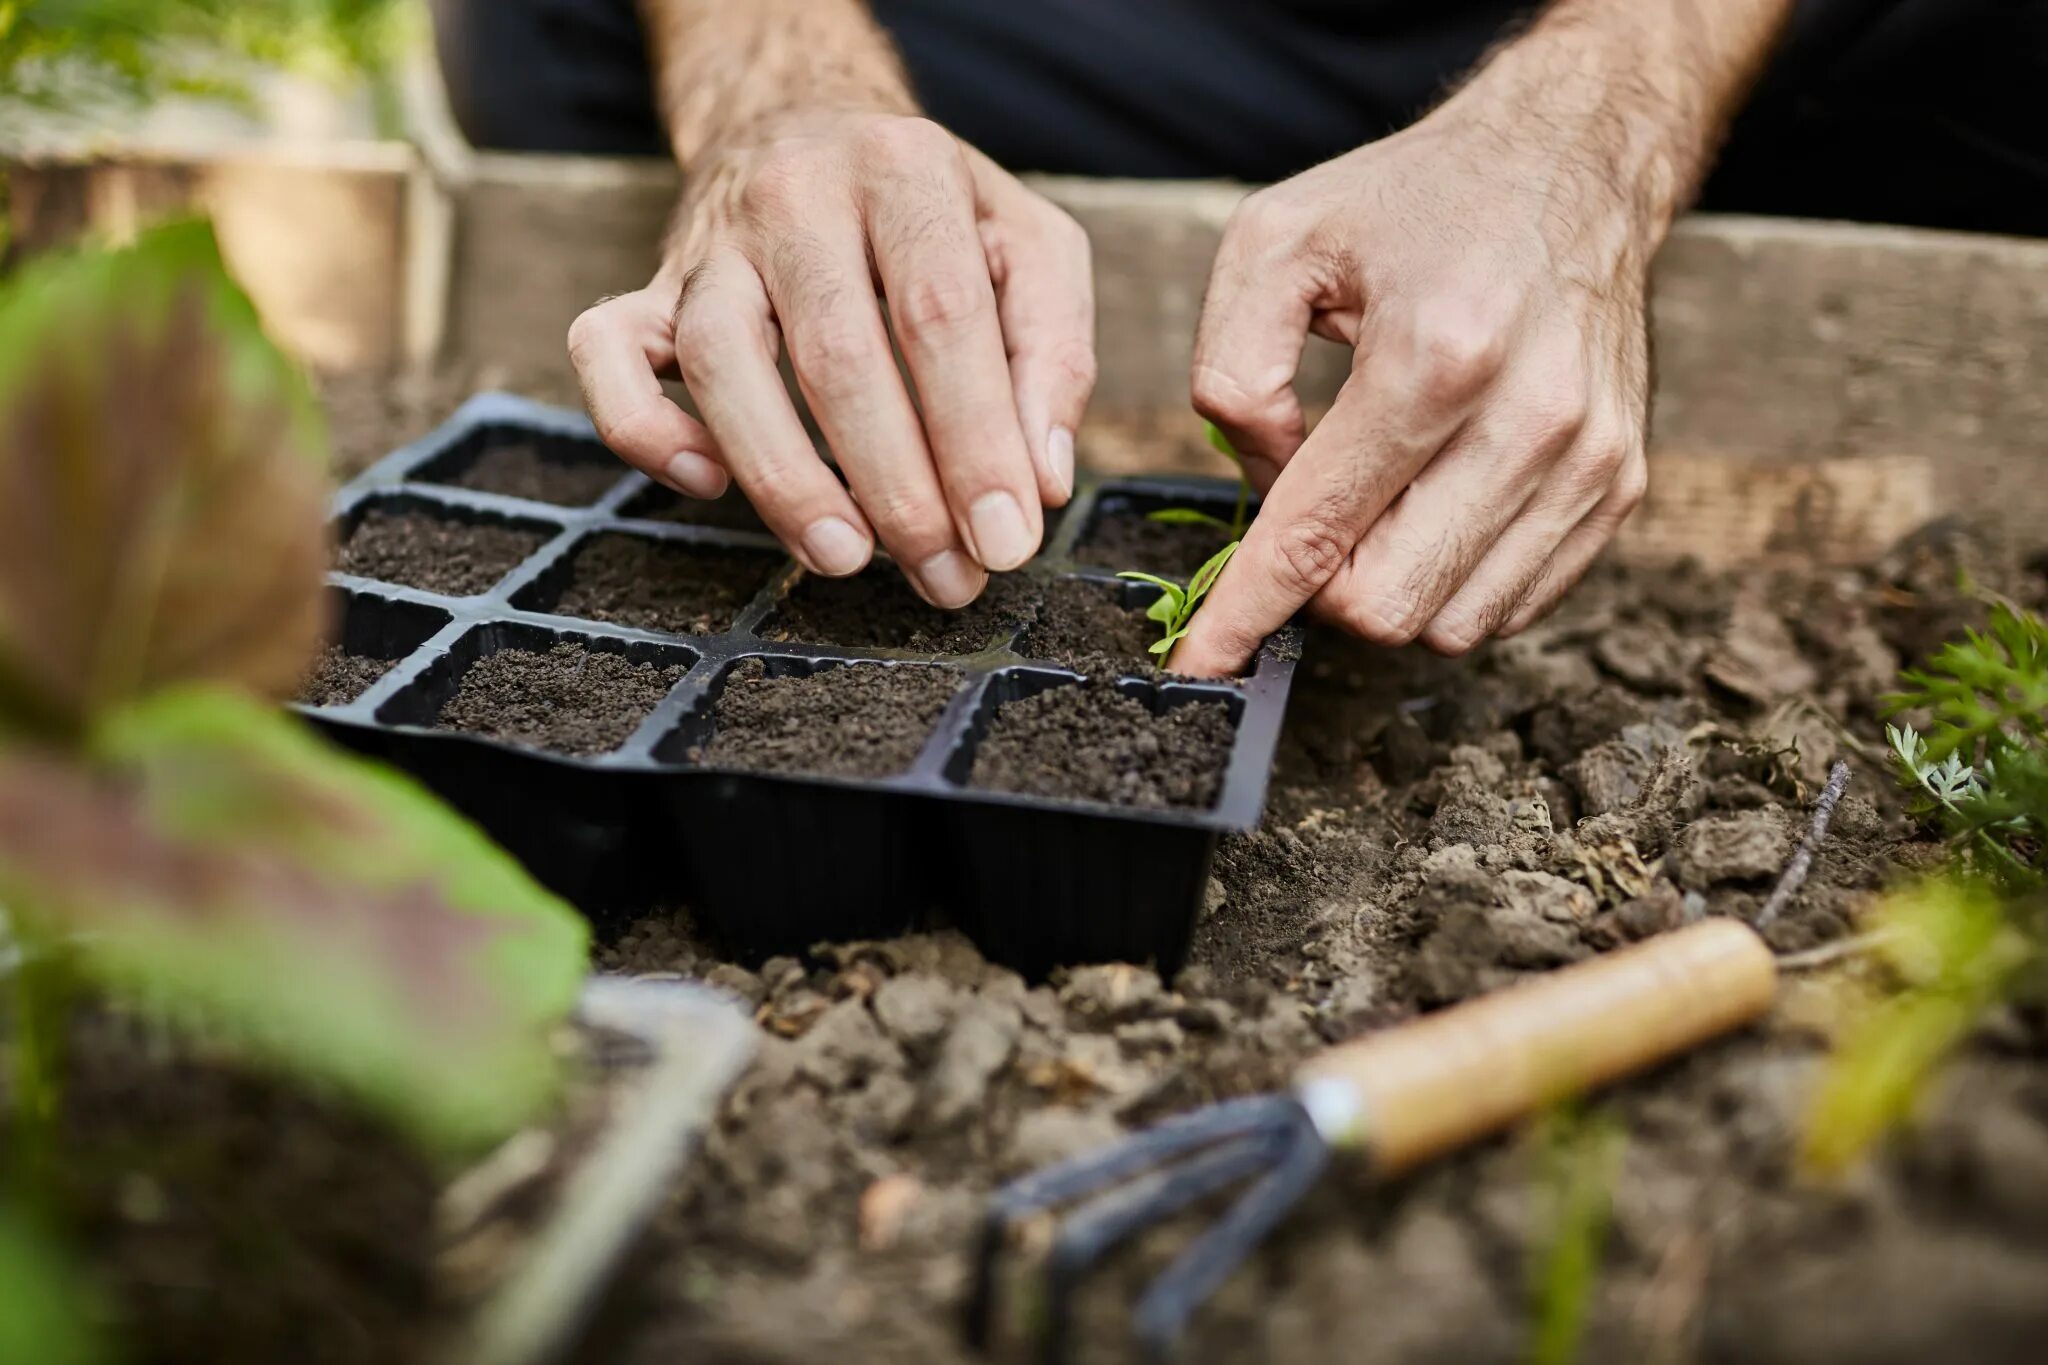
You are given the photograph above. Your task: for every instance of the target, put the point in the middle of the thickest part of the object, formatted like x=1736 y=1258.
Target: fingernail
x=834 y=547
x=950 y=579
x=1059 y=458
x=695 y=476
x=1001 y=534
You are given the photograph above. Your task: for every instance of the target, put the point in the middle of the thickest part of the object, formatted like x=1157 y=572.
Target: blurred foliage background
x=75 y=68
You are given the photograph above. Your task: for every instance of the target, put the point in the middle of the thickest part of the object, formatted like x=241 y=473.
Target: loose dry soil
x=729 y=513
x=439 y=554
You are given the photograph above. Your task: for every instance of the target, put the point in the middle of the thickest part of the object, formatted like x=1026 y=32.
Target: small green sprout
x=1192 y=516
x=1174 y=609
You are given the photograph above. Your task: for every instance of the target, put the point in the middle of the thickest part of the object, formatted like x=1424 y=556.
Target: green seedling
x=1174 y=609
x=1192 y=516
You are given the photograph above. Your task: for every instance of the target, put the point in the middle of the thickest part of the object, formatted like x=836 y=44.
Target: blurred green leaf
x=1952 y=941
x=45 y=1312
x=1186 y=516
x=162 y=485
x=222 y=861
x=1581 y=1157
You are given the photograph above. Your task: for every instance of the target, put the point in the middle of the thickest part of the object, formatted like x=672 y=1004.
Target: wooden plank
x=316 y=236
x=1923 y=355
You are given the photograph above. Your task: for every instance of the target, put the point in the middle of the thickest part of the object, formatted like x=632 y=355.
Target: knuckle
x=1385 y=616
x=1556 y=421
x=1308 y=553
x=1631 y=485
x=1458 y=350
x=906 y=143
x=941 y=305
x=584 y=333
x=1222 y=398
x=1454 y=633
x=832 y=353
x=1075 y=364
x=1266 y=218
x=700 y=332
x=776 y=184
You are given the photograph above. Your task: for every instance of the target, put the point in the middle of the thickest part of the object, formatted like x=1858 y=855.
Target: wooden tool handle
x=1426 y=1088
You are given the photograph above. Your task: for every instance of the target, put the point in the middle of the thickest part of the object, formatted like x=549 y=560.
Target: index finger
x=1379 y=434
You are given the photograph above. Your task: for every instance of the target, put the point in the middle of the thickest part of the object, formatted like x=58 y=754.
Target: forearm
x=1637 y=94
x=727 y=72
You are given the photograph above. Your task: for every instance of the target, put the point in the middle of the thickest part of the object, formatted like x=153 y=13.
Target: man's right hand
x=790 y=239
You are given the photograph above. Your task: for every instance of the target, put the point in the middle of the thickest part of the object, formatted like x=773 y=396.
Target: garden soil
x=1437 y=829
x=339 y=677
x=1089 y=742
x=1122 y=540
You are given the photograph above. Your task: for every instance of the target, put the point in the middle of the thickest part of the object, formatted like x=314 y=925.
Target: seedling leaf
x=162 y=486
x=222 y=863
x=1187 y=516
x=1205 y=577
x=46 y=1314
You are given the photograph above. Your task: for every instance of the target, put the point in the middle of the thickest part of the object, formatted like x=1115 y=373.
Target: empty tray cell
x=1122 y=535
x=663 y=585
x=816 y=718
x=1160 y=747
x=876 y=609
x=729 y=513
x=525 y=464
x=565 y=693
x=371 y=634
x=453 y=551
x=1095 y=628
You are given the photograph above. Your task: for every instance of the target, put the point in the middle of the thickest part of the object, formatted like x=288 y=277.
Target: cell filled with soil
x=730 y=513
x=1121 y=535
x=1099 y=629
x=339 y=677
x=1091 y=741
x=371 y=634
x=862 y=720
x=878 y=610
x=652 y=584
x=568 y=699
x=436 y=552
x=565 y=473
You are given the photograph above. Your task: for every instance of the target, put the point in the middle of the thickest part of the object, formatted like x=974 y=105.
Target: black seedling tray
x=768 y=862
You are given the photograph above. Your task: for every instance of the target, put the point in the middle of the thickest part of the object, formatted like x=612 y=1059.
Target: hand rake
x=1397 y=1097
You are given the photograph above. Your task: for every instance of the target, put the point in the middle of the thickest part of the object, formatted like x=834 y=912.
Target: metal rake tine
x=1091 y=1171
x=1112 y=1217
x=1171 y=1299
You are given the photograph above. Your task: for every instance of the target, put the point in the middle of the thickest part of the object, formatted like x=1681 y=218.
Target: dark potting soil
x=876 y=609
x=1124 y=539
x=339 y=677
x=859 y=720
x=570 y=700
x=225 y=1218
x=1089 y=742
x=656 y=585
x=1085 y=626
x=438 y=554
x=522 y=471
x=730 y=513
